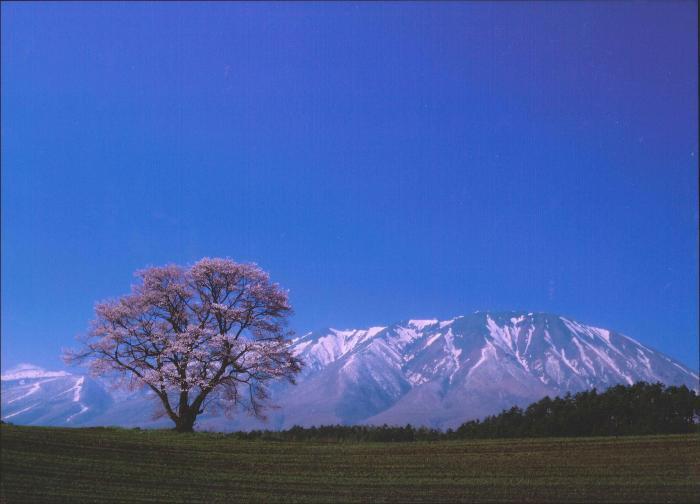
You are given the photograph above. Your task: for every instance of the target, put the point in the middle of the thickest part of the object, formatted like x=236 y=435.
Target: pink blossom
x=196 y=336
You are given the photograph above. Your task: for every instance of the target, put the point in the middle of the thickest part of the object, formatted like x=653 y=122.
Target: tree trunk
x=185 y=423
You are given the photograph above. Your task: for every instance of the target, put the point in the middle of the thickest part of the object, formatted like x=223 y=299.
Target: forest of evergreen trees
x=637 y=409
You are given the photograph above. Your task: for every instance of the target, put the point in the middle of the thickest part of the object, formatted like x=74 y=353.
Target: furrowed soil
x=116 y=465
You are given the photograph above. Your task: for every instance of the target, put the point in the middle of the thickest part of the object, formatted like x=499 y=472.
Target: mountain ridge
x=428 y=372
x=431 y=364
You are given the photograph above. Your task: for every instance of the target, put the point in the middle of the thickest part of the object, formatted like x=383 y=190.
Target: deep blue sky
x=382 y=161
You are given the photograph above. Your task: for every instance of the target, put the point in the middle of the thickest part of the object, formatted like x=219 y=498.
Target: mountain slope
x=33 y=396
x=423 y=372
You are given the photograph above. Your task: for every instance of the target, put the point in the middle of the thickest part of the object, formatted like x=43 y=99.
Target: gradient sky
x=383 y=161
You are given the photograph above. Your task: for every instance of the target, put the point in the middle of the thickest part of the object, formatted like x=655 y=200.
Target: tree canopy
x=209 y=336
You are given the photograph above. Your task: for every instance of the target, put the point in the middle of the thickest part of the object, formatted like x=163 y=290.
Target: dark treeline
x=636 y=409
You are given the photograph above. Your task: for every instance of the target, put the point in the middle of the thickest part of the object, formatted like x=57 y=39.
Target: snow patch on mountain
x=30 y=371
x=422 y=324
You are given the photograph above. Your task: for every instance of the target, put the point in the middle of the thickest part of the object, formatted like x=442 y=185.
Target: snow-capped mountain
x=442 y=373
x=423 y=372
x=34 y=396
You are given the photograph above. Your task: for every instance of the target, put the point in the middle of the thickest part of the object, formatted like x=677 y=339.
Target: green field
x=115 y=465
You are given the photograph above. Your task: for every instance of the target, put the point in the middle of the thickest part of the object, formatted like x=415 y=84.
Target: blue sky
x=383 y=161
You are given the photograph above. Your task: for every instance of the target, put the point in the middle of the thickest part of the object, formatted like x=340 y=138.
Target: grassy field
x=114 y=465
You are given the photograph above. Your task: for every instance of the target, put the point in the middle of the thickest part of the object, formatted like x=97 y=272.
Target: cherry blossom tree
x=207 y=337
